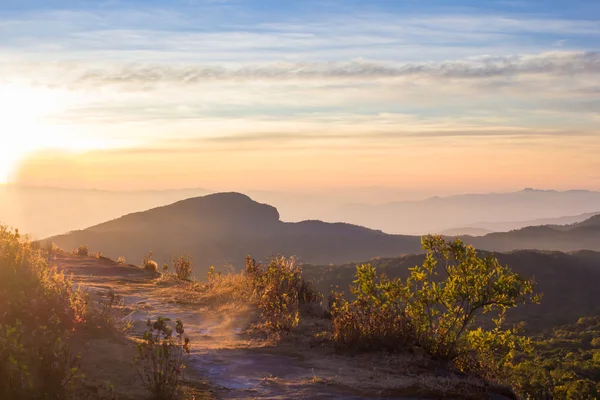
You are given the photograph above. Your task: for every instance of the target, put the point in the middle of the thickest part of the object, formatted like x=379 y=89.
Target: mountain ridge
x=223 y=228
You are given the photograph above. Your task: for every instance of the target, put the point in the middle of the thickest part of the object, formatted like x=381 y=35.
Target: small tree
x=443 y=307
x=434 y=309
x=160 y=358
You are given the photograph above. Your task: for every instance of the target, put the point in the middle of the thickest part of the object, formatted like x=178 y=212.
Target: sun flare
x=25 y=125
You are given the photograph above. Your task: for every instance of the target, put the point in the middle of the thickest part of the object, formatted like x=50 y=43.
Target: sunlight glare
x=23 y=128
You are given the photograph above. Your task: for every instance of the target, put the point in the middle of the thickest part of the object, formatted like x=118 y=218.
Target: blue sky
x=513 y=84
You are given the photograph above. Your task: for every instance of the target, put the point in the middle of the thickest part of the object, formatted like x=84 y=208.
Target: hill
x=223 y=228
x=584 y=235
x=568 y=282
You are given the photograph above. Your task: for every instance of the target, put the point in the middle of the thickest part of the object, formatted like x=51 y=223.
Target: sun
x=23 y=128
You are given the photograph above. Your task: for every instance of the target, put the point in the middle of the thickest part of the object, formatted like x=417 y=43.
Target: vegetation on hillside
x=40 y=311
x=437 y=309
x=562 y=364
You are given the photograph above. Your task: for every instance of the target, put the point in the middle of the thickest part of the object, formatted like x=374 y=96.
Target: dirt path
x=221 y=355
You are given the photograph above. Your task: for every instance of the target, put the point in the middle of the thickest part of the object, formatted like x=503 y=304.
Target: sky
x=426 y=96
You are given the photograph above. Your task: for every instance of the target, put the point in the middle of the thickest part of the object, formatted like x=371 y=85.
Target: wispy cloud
x=475 y=68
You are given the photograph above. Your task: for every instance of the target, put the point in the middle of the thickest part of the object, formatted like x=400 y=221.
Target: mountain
x=568 y=282
x=483 y=228
x=466 y=231
x=438 y=214
x=583 y=235
x=45 y=211
x=223 y=228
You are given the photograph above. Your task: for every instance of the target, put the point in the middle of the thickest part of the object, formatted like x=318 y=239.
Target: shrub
x=279 y=290
x=39 y=312
x=160 y=358
x=82 y=251
x=443 y=312
x=183 y=267
x=149 y=264
x=376 y=319
x=121 y=260
x=110 y=313
x=433 y=310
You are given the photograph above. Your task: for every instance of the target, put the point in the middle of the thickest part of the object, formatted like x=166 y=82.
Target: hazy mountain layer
x=438 y=214
x=483 y=228
x=583 y=235
x=50 y=211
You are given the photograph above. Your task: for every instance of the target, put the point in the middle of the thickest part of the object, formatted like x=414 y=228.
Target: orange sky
x=442 y=101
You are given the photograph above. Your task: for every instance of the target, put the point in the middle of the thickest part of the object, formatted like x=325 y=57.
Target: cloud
x=144 y=76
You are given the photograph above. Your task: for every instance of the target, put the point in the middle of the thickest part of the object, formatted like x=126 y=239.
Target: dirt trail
x=221 y=355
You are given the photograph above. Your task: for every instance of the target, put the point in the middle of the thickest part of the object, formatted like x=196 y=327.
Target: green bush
x=435 y=308
x=375 y=320
x=160 y=358
x=39 y=312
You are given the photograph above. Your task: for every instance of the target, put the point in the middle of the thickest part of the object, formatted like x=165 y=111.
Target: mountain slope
x=223 y=228
x=584 y=235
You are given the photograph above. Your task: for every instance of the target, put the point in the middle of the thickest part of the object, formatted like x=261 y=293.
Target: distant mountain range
x=483 y=228
x=223 y=228
x=569 y=282
x=438 y=214
x=578 y=236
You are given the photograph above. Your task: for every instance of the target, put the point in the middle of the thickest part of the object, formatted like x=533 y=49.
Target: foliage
x=121 y=260
x=279 y=290
x=443 y=310
x=564 y=364
x=149 y=264
x=183 y=267
x=376 y=319
x=39 y=312
x=82 y=251
x=435 y=311
x=160 y=358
